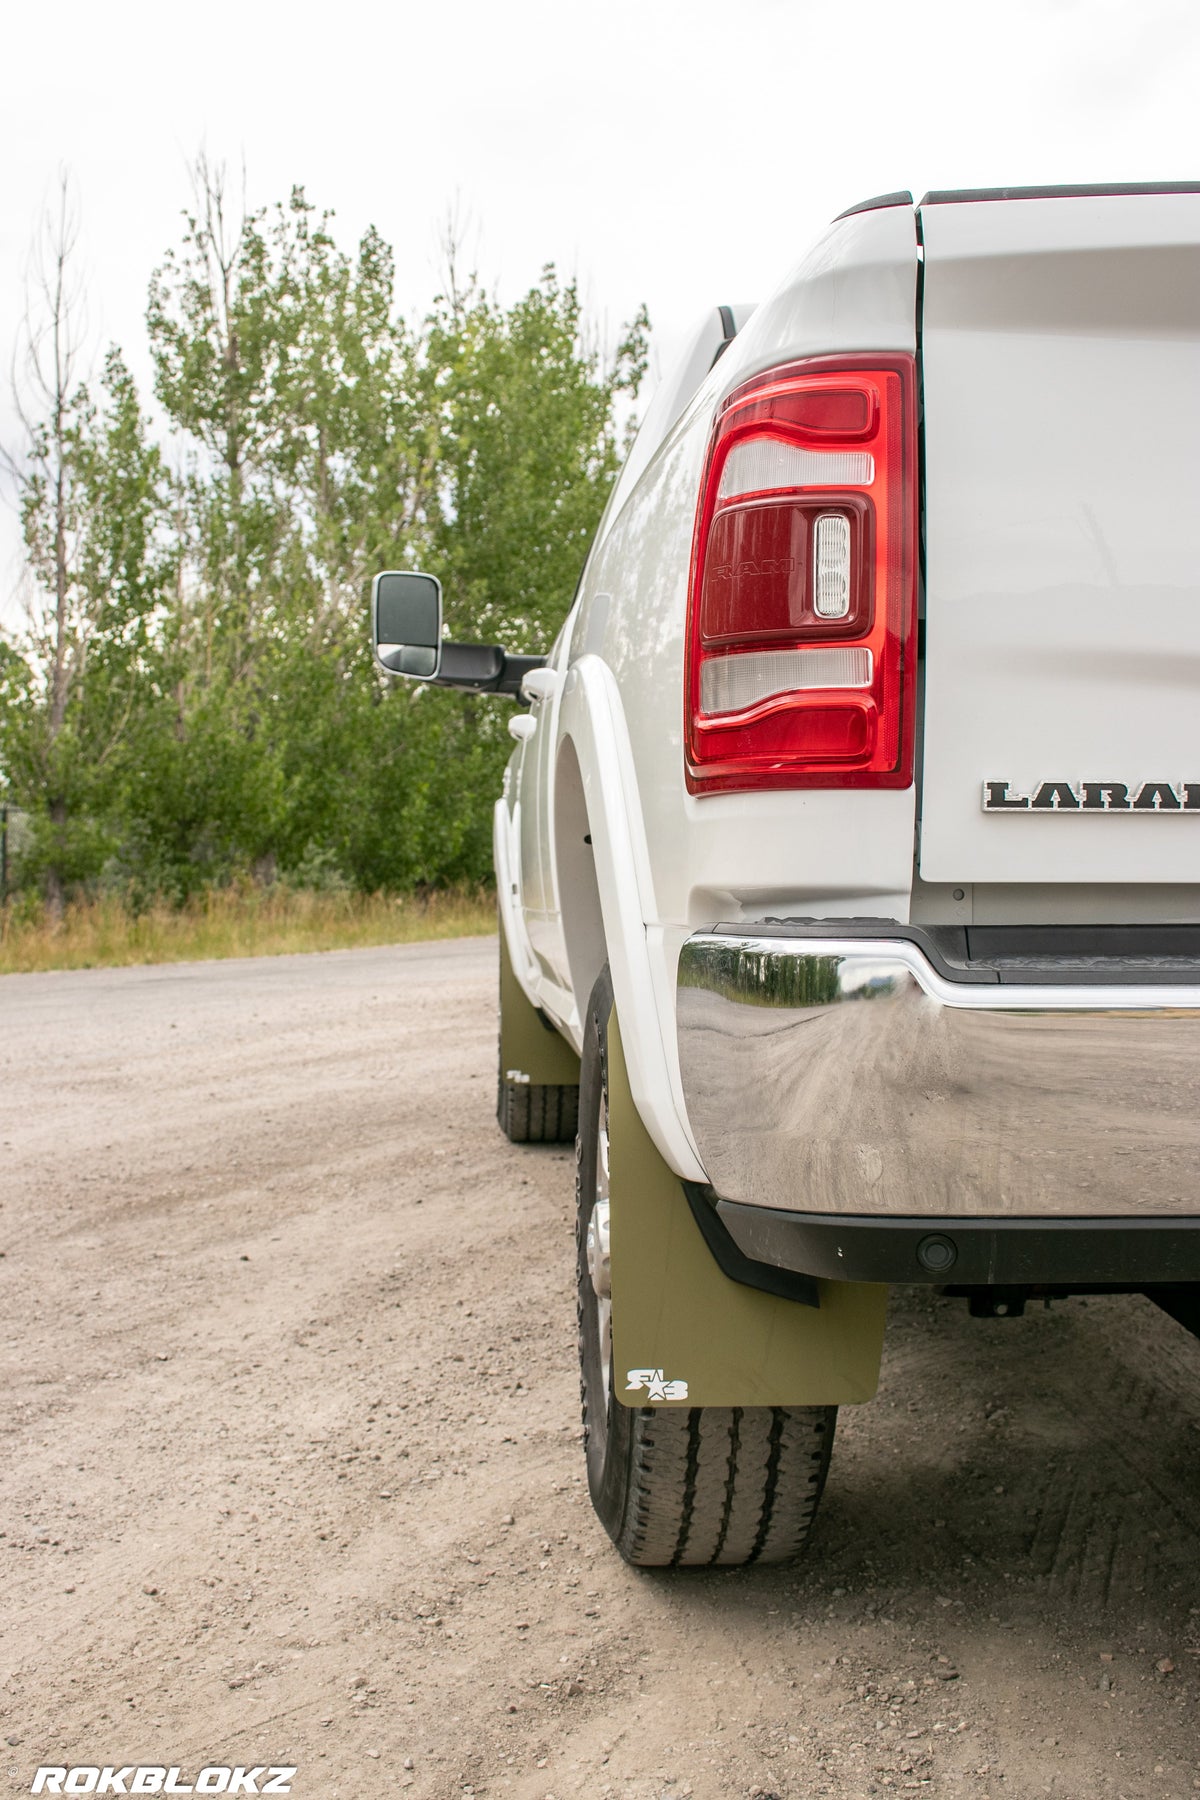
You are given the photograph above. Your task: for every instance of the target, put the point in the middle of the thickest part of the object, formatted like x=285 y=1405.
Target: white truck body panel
x=642 y=965
x=856 y=289
x=900 y=919
x=1059 y=345
x=1061 y=370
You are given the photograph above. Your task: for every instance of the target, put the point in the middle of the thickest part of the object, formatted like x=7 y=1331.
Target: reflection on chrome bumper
x=850 y=1077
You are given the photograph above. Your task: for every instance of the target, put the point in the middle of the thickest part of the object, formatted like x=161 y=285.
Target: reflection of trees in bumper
x=765 y=977
x=920 y=1106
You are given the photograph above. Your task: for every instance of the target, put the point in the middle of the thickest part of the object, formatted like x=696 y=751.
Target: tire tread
x=684 y=1487
x=533 y=1114
x=724 y=1485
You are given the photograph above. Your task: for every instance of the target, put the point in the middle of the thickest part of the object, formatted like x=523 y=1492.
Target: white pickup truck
x=848 y=863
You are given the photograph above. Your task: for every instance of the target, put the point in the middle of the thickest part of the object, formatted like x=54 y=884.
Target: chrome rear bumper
x=847 y=1076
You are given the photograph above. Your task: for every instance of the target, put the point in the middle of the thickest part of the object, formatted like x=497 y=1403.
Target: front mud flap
x=531 y=1051
x=684 y=1334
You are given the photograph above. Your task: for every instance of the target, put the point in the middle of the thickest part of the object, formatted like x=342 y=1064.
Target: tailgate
x=1061 y=368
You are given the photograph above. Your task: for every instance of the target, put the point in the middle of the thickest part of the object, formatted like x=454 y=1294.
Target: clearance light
x=802 y=597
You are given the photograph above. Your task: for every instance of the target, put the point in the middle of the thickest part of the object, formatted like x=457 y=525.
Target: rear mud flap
x=684 y=1334
x=531 y=1050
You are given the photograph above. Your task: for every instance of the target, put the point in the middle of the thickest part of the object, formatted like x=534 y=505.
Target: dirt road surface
x=291 y=1473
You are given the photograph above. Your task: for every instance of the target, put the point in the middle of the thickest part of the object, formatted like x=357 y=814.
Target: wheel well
x=578 y=893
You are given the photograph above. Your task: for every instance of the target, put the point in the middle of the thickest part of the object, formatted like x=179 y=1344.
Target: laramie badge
x=1094 y=797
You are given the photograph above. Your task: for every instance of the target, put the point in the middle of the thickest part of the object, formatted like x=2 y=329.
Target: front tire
x=531 y=1110
x=677 y=1486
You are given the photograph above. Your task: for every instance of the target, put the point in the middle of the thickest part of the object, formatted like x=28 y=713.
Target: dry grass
x=249 y=921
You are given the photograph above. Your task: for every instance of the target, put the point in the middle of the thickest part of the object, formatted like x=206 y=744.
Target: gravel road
x=291 y=1468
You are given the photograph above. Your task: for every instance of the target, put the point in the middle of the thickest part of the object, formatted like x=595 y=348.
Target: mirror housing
x=406 y=630
x=406 y=623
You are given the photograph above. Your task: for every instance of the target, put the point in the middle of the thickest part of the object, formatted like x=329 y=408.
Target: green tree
x=528 y=450
x=523 y=414
x=280 y=360
x=91 y=496
x=512 y=417
x=232 y=718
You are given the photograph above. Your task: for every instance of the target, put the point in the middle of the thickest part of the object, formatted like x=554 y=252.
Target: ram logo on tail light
x=1093 y=797
x=802 y=596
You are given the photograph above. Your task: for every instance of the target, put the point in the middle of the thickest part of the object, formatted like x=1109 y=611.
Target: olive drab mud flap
x=684 y=1334
x=530 y=1050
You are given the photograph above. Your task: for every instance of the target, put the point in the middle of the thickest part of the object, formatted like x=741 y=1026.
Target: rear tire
x=530 y=1114
x=676 y=1486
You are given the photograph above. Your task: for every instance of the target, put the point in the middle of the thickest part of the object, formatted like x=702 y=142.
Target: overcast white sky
x=681 y=152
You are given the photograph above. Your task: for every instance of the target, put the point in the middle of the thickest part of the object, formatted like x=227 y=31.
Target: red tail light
x=802 y=603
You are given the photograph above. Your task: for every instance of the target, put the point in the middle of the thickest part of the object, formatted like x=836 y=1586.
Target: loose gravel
x=291 y=1472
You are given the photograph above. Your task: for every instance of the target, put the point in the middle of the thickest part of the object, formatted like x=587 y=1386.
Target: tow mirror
x=406 y=625
x=406 y=622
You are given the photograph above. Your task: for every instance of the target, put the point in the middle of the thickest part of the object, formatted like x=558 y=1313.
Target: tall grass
x=245 y=921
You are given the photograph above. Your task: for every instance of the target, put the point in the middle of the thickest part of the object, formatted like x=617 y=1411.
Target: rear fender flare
x=592 y=717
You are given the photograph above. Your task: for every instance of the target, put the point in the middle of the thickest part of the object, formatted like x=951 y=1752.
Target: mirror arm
x=484 y=669
x=516 y=668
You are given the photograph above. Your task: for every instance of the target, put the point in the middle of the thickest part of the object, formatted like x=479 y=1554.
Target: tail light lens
x=802 y=602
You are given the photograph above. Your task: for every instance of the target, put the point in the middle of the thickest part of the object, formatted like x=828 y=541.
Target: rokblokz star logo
x=655 y=1384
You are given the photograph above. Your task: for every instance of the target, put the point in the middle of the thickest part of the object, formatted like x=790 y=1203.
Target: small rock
x=508 y=1519
x=408 y=1762
x=150 y=1590
x=374 y=1755
x=1165 y=1666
